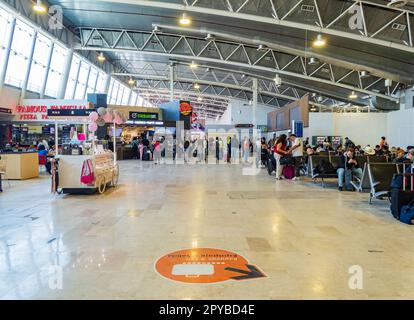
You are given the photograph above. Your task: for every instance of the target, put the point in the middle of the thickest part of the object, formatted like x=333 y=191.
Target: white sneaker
x=295 y=179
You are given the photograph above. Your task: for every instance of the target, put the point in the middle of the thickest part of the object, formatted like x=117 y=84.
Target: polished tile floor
x=303 y=237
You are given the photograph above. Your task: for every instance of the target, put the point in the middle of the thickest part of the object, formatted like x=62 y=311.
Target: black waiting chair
x=380 y=177
x=313 y=164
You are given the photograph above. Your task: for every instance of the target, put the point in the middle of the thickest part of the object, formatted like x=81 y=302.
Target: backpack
x=87 y=175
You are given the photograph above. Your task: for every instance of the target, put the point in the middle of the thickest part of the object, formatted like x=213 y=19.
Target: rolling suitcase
x=288 y=172
x=401 y=198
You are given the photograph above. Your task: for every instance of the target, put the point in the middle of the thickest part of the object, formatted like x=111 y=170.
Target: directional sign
x=206 y=265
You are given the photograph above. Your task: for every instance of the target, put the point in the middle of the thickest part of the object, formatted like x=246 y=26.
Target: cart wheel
x=102 y=185
x=115 y=176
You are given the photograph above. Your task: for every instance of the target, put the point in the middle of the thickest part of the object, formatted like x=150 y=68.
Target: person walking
x=246 y=150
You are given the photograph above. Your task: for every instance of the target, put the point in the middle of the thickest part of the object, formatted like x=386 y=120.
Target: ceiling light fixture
x=319 y=41
x=364 y=74
x=261 y=48
x=193 y=65
x=39 y=7
x=185 y=20
x=101 y=57
x=199 y=99
x=210 y=37
x=196 y=86
x=278 y=81
x=313 y=61
x=131 y=81
x=353 y=95
x=156 y=29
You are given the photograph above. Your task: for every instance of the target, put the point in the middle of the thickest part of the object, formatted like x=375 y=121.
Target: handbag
x=87 y=175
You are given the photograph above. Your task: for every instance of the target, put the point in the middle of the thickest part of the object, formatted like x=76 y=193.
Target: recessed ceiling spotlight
x=319 y=41
x=185 y=20
x=313 y=61
x=39 y=7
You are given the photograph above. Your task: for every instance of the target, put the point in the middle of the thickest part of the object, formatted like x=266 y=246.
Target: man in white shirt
x=297 y=154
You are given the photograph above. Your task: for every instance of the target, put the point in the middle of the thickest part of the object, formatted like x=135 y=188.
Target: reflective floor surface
x=304 y=238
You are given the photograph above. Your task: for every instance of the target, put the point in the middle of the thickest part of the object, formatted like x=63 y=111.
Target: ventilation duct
x=384 y=104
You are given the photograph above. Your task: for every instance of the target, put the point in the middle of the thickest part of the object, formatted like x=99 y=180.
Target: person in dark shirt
x=347 y=164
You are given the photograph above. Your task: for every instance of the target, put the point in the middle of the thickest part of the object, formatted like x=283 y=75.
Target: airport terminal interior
x=206 y=149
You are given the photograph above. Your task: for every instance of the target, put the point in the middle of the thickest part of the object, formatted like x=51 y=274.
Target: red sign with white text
x=35 y=110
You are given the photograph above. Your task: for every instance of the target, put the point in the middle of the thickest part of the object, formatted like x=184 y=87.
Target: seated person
x=400 y=157
x=42 y=150
x=410 y=155
x=347 y=165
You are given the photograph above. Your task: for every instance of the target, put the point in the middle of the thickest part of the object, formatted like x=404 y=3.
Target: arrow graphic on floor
x=253 y=273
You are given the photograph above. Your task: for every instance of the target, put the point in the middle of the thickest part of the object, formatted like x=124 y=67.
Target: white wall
x=10 y=96
x=240 y=112
x=361 y=128
x=401 y=128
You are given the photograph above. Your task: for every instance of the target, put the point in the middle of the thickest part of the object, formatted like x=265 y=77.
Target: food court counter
x=21 y=165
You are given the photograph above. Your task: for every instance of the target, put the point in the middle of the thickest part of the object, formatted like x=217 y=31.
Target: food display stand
x=106 y=173
x=67 y=170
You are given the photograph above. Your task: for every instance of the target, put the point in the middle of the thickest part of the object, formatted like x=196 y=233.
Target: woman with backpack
x=279 y=152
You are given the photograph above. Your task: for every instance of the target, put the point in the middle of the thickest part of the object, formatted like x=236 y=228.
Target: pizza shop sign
x=36 y=110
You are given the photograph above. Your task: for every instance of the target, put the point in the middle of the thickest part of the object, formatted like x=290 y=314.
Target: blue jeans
x=341 y=175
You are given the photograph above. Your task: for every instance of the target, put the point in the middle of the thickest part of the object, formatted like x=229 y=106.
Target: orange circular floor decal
x=206 y=265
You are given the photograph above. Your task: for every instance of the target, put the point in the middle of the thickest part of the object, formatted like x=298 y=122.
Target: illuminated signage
x=143 y=116
x=185 y=108
x=37 y=110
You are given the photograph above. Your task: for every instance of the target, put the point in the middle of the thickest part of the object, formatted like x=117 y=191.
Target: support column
x=255 y=98
x=65 y=75
x=49 y=60
x=129 y=98
x=172 y=69
x=72 y=94
x=86 y=84
x=29 y=66
x=107 y=84
x=3 y=66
